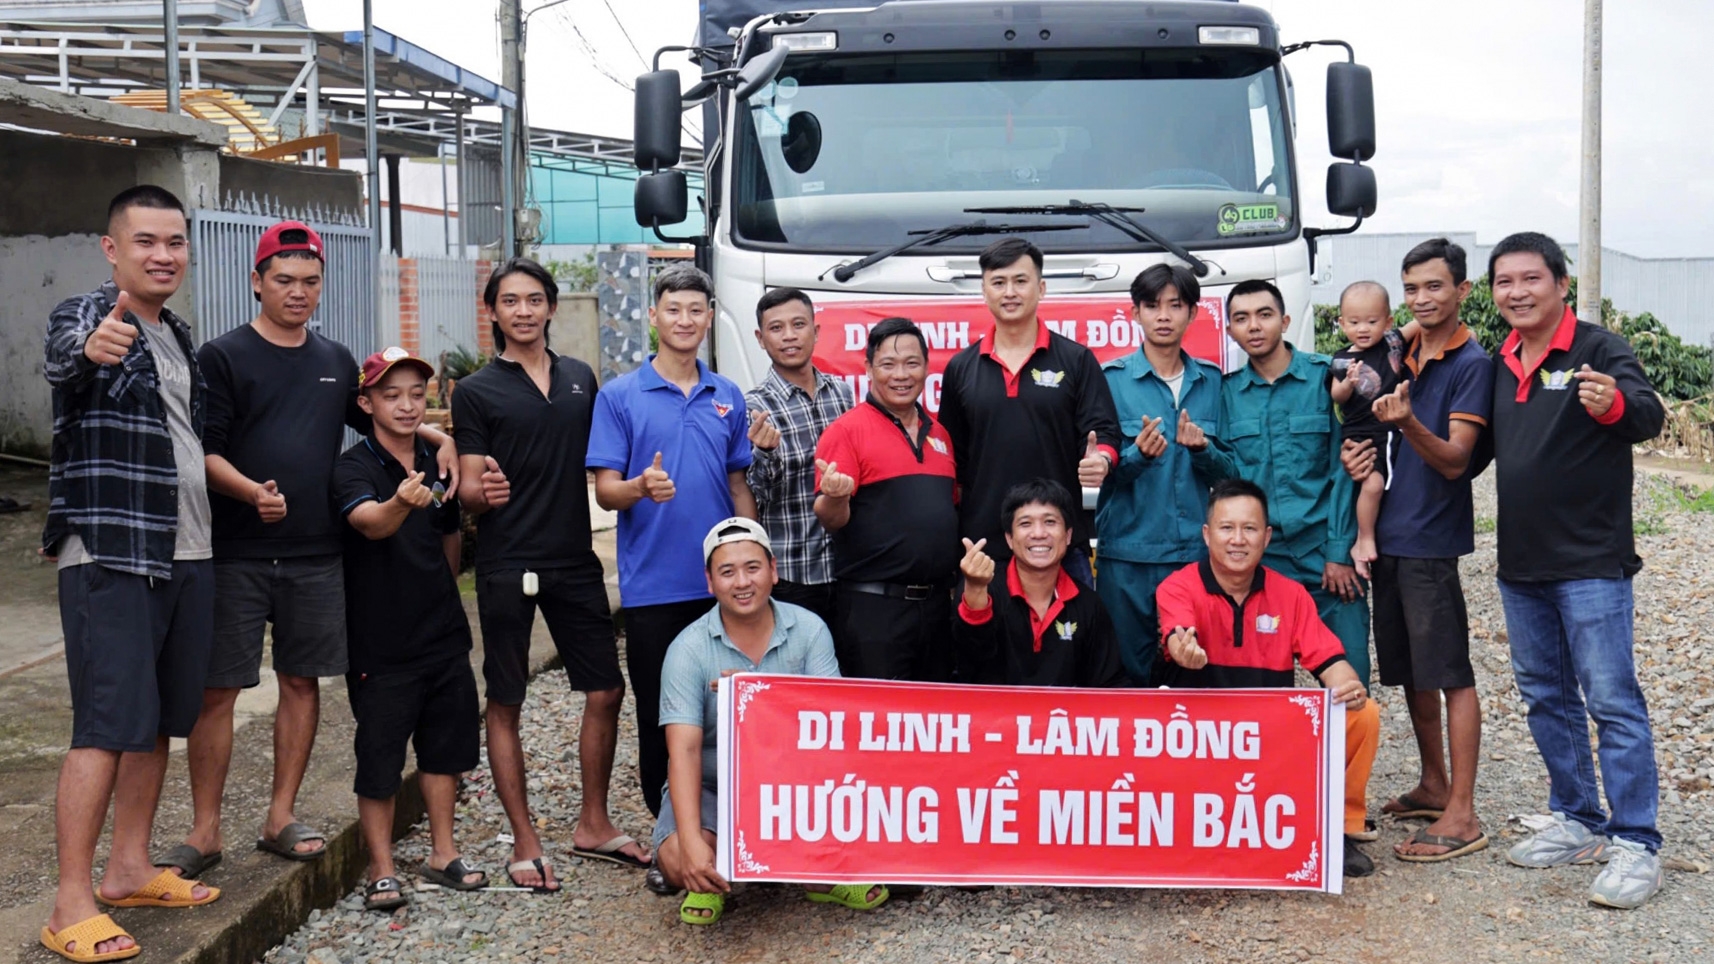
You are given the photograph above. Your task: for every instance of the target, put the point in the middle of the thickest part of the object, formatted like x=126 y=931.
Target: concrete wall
x=295 y=186
x=36 y=273
x=60 y=185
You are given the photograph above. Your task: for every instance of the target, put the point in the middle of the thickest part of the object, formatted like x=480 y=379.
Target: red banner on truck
x=952 y=324
x=860 y=781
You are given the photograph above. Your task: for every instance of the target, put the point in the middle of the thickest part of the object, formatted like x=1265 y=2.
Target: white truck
x=867 y=152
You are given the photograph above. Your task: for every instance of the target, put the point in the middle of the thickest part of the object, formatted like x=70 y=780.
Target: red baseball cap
x=290 y=236
x=376 y=366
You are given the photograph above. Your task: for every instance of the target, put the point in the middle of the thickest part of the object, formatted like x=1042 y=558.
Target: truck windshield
x=848 y=152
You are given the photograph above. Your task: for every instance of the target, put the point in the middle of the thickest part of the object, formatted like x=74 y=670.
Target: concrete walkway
x=263 y=897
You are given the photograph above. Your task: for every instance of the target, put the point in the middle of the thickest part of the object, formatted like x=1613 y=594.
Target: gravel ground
x=1477 y=908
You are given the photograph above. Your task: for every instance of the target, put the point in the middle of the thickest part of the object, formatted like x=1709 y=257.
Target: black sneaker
x=1357 y=863
x=657 y=884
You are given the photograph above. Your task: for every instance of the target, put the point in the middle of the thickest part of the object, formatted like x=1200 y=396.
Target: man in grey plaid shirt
x=788 y=412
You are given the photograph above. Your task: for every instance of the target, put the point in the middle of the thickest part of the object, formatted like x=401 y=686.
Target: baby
x=1371 y=367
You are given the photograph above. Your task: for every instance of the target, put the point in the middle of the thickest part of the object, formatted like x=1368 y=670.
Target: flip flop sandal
x=384 y=895
x=613 y=852
x=166 y=890
x=190 y=862
x=8 y=504
x=854 y=896
x=1369 y=834
x=88 y=935
x=714 y=903
x=1456 y=847
x=535 y=863
x=1410 y=807
x=284 y=843
x=452 y=875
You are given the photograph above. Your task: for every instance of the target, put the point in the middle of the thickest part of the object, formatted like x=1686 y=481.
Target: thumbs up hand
x=270 y=504
x=413 y=493
x=834 y=483
x=1092 y=469
x=111 y=340
x=656 y=484
x=496 y=488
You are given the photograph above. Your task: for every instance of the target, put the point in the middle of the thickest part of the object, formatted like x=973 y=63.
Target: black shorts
x=1422 y=632
x=303 y=597
x=136 y=652
x=1386 y=439
x=432 y=707
x=573 y=602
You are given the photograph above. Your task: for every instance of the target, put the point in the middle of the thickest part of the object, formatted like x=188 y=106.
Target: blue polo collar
x=651 y=380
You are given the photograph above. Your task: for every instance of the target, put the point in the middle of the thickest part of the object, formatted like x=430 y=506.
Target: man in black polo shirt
x=1024 y=402
x=409 y=641
x=1045 y=628
x=522 y=425
x=885 y=474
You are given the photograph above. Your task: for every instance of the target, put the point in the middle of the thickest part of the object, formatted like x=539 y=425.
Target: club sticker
x=1250 y=219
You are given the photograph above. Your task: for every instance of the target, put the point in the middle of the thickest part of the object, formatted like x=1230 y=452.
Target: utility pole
x=170 y=16
x=372 y=154
x=1589 y=197
x=513 y=154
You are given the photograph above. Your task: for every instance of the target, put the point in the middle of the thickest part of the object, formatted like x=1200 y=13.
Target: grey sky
x=1478 y=100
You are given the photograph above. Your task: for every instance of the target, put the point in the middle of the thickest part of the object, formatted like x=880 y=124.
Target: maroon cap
x=290 y=236
x=376 y=366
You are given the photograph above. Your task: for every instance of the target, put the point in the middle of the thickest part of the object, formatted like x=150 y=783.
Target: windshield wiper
x=843 y=272
x=1107 y=214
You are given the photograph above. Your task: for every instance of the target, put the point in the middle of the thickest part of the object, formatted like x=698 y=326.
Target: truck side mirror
x=1350 y=111
x=1351 y=190
x=663 y=198
x=656 y=123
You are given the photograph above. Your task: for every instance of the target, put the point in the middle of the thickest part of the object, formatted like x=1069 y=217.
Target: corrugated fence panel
x=389 y=327
x=446 y=294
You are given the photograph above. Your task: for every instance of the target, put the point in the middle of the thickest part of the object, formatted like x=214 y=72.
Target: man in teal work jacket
x=1278 y=429
x=1150 y=516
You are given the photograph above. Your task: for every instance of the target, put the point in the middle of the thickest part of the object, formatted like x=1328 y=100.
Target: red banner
x=860 y=781
x=951 y=324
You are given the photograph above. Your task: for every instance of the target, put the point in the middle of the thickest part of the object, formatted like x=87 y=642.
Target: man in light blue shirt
x=746 y=631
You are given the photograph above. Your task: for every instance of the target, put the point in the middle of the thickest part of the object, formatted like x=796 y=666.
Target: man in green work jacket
x=1278 y=429
x=1153 y=504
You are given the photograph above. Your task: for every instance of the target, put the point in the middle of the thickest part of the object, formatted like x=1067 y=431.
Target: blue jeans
x=1571 y=649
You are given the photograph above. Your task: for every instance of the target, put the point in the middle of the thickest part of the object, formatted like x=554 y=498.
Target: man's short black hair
x=299 y=255
x=1441 y=248
x=1236 y=489
x=1255 y=286
x=524 y=266
x=142 y=196
x=1530 y=242
x=684 y=277
x=1005 y=252
x=776 y=297
x=890 y=328
x=1042 y=491
x=1148 y=285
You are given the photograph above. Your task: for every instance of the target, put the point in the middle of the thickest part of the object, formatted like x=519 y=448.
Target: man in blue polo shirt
x=669 y=447
x=1422 y=632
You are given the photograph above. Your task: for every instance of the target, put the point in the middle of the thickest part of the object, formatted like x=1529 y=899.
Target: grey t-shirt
x=194 y=537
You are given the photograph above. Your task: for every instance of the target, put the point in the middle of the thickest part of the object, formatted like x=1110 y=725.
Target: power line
x=627 y=33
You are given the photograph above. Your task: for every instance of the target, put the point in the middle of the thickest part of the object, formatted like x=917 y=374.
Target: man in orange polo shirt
x=1231 y=622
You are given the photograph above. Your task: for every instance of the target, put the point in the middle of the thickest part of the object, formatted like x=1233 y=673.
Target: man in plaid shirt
x=788 y=412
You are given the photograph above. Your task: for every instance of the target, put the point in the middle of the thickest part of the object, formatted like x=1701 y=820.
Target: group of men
x=198 y=494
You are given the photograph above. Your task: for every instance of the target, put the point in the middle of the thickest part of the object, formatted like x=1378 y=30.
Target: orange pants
x=1362 y=739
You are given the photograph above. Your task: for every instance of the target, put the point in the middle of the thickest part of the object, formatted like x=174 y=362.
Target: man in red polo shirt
x=1236 y=623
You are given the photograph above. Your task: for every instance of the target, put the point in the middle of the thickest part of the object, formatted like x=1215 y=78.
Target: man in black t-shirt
x=279 y=398
x=522 y=425
x=409 y=640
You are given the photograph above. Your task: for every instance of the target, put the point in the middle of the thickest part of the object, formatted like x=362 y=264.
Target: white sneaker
x=1565 y=842
x=1631 y=876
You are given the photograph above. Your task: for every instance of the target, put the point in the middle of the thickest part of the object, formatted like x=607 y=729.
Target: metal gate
x=221 y=249
x=446 y=300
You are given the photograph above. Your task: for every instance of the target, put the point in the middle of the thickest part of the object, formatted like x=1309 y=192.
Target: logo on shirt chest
x=1556 y=381
x=722 y=410
x=937 y=445
x=1267 y=624
x=1045 y=378
x=1066 y=630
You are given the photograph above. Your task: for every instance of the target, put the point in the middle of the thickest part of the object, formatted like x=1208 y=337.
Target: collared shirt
x=113 y=479
x=1563 y=476
x=1013 y=426
x=1072 y=643
x=1425 y=515
x=904 y=511
x=1248 y=644
x=1284 y=437
x=702 y=437
x=539 y=441
x=1152 y=509
x=401 y=598
x=783 y=478
x=799 y=646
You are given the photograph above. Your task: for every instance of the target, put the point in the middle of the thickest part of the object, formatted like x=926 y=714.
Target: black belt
x=897 y=590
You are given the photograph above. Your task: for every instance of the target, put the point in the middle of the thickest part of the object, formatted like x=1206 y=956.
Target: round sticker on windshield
x=785 y=88
x=1249 y=219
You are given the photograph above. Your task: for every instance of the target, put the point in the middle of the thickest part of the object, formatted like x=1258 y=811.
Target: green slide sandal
x=854 y=896
x=714 y=904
